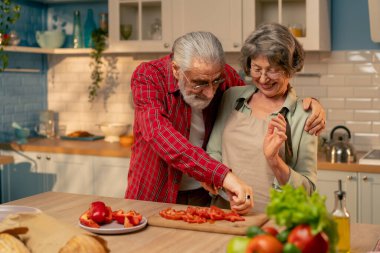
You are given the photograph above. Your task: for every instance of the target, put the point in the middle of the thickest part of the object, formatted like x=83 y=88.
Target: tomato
x=98 y=211
x=264 y=244
x=302 y=237
x=270 y=230
x=237 y=245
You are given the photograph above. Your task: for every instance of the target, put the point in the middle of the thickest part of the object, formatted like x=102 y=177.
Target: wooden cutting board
x=223 y=227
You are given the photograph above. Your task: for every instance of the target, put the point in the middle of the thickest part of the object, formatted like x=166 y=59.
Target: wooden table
x=68 y=207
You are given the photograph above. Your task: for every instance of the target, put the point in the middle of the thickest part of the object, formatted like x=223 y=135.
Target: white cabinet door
x=327 y=184
x=22 y=178
x=369 y=200
x=150 y=21
x=110 y=176
x=312 y=16
x=221 y=17
x=68 y=173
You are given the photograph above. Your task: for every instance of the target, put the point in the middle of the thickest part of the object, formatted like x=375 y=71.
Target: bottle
x=77 y=33
x=342 y=218
x=89 y=27
x=103 y=22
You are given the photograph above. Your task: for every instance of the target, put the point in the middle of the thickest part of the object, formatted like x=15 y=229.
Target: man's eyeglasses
x=200 y=84
x=271 y=74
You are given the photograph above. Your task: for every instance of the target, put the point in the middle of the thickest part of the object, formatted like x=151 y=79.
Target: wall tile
x=333 y=57
x=376 y=103
x=376 y=127
x=337 y=114
x=340 y=68
x=366 y=92
x=333 y=80
x=340 y=92
x=365 y=68
x=358 y=80
x=332 y=103
x=367 y=139
x=372 y=115
x=359 y=126
x=358 y=103
x=359 y=56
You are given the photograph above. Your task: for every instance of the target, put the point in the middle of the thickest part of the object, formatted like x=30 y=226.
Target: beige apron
x=242 y=149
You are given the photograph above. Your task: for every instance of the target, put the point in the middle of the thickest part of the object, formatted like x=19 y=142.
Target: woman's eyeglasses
x=271 y=74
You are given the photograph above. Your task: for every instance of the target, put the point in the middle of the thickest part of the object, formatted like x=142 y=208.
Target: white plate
x=5 y=210
x=115 y=228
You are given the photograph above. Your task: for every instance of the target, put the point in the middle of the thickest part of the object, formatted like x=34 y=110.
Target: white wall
x=348 y=87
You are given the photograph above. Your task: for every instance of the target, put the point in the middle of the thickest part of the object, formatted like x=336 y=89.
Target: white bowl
x=113 y=131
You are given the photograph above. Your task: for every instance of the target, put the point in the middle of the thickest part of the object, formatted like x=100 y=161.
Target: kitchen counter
x=67 y=208
x=102 y=148
x=4 y=159
x=351 y=167
x=96 y=148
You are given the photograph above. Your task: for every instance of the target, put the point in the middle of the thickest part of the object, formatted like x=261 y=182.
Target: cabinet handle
x=365 y=178
x=48 y=158
x=349 y=178
x=235 y=45
x=166 y=45
x=38 y=157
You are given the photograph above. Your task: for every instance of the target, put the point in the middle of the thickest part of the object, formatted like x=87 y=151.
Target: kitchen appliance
x=372 y=157
x=340 y=149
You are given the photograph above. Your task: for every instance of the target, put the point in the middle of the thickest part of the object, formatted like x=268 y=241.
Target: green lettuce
x=293 y=206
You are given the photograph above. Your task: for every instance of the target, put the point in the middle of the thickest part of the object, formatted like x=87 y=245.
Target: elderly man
x=176 y=100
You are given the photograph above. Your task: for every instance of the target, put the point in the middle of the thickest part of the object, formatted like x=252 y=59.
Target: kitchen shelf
x=37 y=50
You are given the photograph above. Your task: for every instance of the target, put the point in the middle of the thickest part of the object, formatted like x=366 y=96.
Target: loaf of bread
x=83 y=244
x=80 y=134
x=11 y=244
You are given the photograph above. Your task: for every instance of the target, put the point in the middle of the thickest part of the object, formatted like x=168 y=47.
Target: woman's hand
x=317 y=120
x=275 y=137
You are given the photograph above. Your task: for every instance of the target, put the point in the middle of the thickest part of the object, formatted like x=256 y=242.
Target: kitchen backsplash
x=346 y=83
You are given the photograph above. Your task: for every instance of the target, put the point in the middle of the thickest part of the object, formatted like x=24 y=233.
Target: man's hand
x=317 y=120
x=210 y=188
x=241 y=199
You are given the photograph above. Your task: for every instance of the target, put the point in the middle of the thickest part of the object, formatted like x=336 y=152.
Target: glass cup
x=61 y=130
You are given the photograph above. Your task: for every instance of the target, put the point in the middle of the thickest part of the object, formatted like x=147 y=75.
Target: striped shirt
x=162 y=151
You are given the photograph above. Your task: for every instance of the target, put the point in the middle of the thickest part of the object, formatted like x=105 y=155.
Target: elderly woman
x=259 y=131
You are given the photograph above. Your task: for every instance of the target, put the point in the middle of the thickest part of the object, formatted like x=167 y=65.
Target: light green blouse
x=303 y=166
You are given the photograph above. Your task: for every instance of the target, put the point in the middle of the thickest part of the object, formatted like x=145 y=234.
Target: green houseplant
x=99 y=37
x=9 y=14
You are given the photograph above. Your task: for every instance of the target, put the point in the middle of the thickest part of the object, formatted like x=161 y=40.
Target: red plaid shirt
x=162 y=151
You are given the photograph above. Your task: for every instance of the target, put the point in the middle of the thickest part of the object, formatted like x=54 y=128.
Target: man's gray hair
x=203 y=46
x=276 y=43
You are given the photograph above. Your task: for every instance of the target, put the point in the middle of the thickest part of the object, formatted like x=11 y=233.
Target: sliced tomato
x=85 y=219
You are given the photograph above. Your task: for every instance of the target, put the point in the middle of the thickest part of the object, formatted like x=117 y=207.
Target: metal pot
x=340 y=149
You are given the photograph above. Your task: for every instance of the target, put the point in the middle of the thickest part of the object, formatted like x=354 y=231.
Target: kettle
x=340 y=149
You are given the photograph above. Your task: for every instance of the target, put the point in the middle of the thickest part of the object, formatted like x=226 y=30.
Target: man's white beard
x=193 y=100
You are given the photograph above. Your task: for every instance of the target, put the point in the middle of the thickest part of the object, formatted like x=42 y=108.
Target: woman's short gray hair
x=278 y=44
x=203 y=46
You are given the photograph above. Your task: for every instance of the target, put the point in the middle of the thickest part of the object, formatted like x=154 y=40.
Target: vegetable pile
x=99 y=213
x=200 y=214
x=307 y=226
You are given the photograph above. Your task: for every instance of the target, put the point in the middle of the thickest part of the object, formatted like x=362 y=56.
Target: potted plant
x=9 y=14
x=99 y=37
